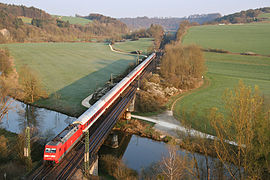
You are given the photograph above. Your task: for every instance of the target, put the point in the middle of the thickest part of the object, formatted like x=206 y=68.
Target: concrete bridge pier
x=131 y=108
x=115 y=143
x=93 y=170
x=112 y=141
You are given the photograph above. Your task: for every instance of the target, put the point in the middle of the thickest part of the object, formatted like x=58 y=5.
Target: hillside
x=238 y=38
x=251 y=15
x=167 y=23
x=29 y=24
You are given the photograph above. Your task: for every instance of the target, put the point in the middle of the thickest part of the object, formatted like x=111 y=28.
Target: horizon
x=108 y=8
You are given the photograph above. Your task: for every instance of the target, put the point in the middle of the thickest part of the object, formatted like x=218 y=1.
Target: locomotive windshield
x=50 y=150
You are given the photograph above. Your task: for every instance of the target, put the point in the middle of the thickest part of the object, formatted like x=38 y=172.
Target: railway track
x=100 y=130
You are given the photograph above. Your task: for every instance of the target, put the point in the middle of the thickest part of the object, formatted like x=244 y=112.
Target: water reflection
x=43 y=122
x=29 y=116
x=143 y=155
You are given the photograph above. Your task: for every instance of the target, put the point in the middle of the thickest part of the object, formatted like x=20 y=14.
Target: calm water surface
x=44 y=122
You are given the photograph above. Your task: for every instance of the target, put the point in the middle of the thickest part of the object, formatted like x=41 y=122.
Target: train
x=56 y=149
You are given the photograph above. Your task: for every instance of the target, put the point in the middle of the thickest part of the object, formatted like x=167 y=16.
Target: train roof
x=64 y=135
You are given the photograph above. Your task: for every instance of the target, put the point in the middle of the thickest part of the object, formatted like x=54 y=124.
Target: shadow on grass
x=68 y=99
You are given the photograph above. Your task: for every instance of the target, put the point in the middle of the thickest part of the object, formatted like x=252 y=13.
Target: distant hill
x=167 y=23
x=29 y=24
x=251 y=15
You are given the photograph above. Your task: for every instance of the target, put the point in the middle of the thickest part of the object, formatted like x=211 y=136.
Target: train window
x=53 y=150
x=50 y=150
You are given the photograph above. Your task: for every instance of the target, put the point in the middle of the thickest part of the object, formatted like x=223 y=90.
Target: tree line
x=168 y=23
x=182 y=66
x=247 y=16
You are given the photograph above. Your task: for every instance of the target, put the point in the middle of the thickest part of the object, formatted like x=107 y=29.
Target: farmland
x=225 y=70
x=74 y=20
x=143 y=44
x=69 y=71
x=238 y=38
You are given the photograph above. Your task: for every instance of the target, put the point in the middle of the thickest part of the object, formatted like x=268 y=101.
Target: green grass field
x=74 y=20
x=224 y=71
x=237 y=38
x=69 y=71
x=265 y=15
x=26 y=20
x=143 y=44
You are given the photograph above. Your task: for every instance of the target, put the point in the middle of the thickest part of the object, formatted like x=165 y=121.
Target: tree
x=183 y=27
x=5 y=65
x=31 y=85
x=173 y=166
x=3 y=147
x=182 y=66
x=156 y=31
x=247 y=124
x=5 y=86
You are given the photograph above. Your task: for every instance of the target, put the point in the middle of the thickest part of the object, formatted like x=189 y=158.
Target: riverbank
x=185 y=140
x=12 y=161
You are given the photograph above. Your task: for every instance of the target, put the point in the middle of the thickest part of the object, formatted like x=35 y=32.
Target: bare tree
x=31 y=85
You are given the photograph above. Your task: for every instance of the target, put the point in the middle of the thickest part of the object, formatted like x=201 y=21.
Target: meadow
x=26 y=20
x=237 y=38
x=69 y=71
x=223 y=72
x=265 y=15
x=74 y=20
x=128 y=46
x=71 y=19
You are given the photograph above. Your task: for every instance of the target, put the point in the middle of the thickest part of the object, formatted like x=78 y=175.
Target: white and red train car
x=57 y=148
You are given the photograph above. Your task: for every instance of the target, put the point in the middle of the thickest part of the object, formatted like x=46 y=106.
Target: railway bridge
x=78 y=144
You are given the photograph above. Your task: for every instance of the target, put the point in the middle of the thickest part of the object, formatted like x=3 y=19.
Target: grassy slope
x=26 y=20
x=72 y=20
x=128 y=46
x=224 y=70
x=265 y=15
x=71 y=70
x=235 y=38
x=75 y=20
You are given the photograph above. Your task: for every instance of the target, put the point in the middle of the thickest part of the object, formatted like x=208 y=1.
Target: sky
x=150 y=8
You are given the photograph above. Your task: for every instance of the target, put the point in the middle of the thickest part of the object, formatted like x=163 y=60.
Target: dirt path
x=121 y=52
x=85 y=102
x=166 y=124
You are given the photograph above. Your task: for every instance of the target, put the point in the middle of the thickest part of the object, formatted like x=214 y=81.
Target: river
x=138 y=153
